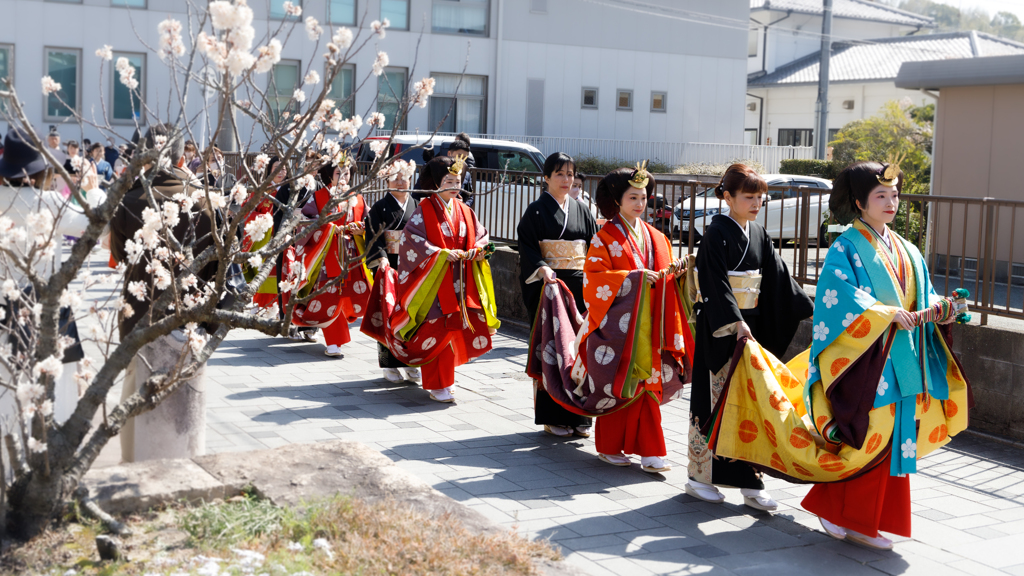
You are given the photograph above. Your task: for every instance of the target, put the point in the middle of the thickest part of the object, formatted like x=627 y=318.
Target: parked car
x=487 y=153
x=779 y=214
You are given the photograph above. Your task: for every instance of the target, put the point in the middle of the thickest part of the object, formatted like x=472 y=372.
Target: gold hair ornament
x=640 y=178
x=891 y=175
x=456 y=168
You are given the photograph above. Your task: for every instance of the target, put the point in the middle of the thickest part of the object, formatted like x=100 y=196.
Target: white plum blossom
x=378 y=27
x=105 y=53
x=239 y=61
x=380 y=63
x=312 y=78
x=422 y=90
x=10 y=289
x=292 y=10
x=376 y=119
x=77 y=162
x=258 y=227
x=313 y=29
x=137 y=289
x=882 y=386
x=35 y=445
x=196 y=340
x=170 y=39
x=69 y=298
x=299 y=95
x=49 y=86
x=255 y=261
x=223 y=15
x=307 y=182
x=378 y=146
x=127 y=73
x=52 y=366
x=126 y=309
x=239 y=194
x=269 y=55
x=261 y=162
x=342 y=38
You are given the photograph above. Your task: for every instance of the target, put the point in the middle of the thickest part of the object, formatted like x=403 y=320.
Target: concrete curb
x=287 y=476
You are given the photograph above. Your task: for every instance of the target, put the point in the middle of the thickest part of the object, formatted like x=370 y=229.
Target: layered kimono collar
x=885 y=238
x=402 y=205
x=564 y=206
x=745 y=228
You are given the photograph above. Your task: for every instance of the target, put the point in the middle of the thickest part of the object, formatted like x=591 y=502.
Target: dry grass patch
x=250 y=536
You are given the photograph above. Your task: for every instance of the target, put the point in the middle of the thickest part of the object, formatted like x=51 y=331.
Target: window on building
x=341 y=91
x=460 y=17
x=277 y=9
x=390 y=92
x=658 y=101
x=624 y=100
x=750 y=136
x=752 y=42
x=589 y=98
x=126 y=105
x=341 y=12
x=283 y=82
x=62 y=64
x=796 y=137
x=832 y=133
x=6 y=70
x=469 y=113
x=128 y=3
x=397 y=11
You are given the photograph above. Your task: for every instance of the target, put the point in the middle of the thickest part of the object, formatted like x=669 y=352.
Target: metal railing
x=672 y=153
x=967 y=242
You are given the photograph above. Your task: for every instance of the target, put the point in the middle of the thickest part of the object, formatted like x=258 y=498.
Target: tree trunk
x=33 y=501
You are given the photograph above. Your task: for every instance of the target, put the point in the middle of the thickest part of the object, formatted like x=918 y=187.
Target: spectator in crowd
x=53 y=143
x=110 y=152
x=192 y=159
x=102 y=167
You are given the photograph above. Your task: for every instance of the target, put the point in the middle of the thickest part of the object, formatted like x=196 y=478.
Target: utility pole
x=821 y=141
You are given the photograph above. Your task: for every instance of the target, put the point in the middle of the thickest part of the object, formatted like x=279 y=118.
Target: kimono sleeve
x=783 y=304
x=530 y=258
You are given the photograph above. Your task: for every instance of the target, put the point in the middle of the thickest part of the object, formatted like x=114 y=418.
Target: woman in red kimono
x=636 y=343
x=344 y=255
x=439 y=311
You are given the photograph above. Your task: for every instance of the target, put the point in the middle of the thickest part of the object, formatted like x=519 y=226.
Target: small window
x=126 y=104
x=397 y=12
x=752 y=41
x=390 y=93
x=750 y=136
x=341 y=90
x=283 y=82
x=6 y=69
x=624 y=100
x=658 y=101
x=796 y=137
x=590 y=97
x=460 y=17
x=469 y=113
x=277 y=9
x=62 y=64
x=128 y=3
x=832 y=133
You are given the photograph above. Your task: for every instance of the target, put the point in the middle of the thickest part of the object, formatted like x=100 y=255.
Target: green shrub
x=822 y=168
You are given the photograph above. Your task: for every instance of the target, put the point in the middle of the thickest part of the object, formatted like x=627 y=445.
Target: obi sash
x=564 y=254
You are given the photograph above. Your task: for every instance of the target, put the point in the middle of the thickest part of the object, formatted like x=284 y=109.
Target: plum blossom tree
x=215 y=49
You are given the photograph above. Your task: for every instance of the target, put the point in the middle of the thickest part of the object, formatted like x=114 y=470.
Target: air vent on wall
x=847 y=104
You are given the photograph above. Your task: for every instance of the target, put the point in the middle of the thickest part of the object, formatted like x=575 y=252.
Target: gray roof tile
x=880 y=59
x=853 y=9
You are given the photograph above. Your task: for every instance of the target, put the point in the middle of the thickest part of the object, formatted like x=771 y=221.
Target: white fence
x=672 y=153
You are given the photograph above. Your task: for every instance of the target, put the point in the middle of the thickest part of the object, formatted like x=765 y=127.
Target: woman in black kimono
x=745 y=290
x=554 y=236
x=384 y=224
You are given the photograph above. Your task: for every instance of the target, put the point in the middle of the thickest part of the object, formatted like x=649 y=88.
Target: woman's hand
x=549 y=275
x=651 y=276
x=743 y=330
x=905 y=320
x=355 y=227
x=455 y=255
x=480 y=255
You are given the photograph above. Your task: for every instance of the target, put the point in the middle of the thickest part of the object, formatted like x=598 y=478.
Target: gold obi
x=564 y=254
x=746 y=286
x=391 y=239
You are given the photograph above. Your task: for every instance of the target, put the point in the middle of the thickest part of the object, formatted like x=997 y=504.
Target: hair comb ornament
x=640 y=178
x=891 y=175
x=456 y=168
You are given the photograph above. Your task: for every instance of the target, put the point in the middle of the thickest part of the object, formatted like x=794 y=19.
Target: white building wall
x=702 y=68
x=793 y=106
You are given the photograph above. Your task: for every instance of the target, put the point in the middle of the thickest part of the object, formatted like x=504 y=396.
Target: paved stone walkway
x=485 y=451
